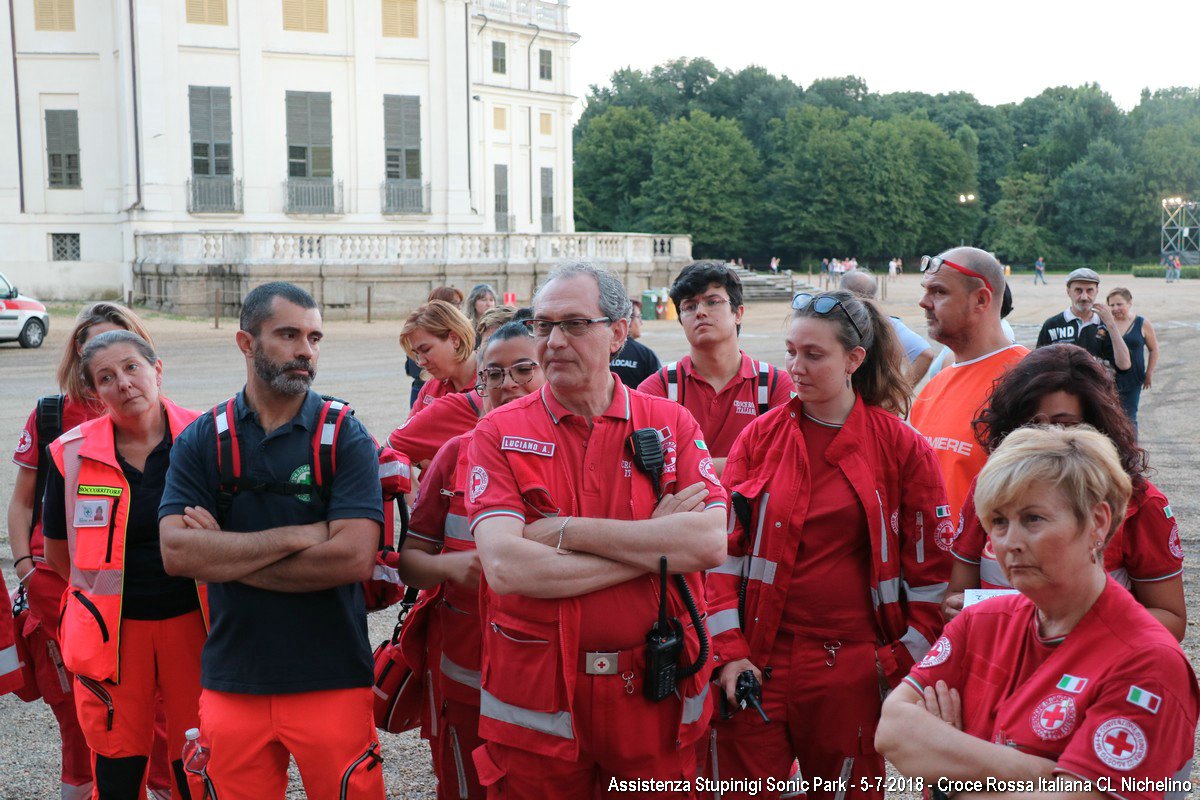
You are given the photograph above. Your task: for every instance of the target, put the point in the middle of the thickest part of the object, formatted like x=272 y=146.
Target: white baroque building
x=170 y=149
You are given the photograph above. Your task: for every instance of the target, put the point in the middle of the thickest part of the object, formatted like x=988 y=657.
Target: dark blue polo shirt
x=265 y=642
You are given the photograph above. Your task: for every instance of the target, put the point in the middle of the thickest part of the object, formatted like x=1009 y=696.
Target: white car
x=22 y=319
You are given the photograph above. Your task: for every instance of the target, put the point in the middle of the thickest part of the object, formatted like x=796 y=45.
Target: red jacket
x=897 y=480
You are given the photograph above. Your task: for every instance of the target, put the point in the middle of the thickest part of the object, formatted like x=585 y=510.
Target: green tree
x=702 y=182
x=1092 y=203
x=1017 y=232
x=612 y=160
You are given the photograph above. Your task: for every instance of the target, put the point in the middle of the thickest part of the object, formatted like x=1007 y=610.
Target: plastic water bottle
x=195 y=755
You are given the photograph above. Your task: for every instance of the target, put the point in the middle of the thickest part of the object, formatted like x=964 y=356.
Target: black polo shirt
x=634 y=363
x=265 y=642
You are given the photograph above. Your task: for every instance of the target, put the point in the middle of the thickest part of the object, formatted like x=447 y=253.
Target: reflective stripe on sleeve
x=552 y=723
x=760 y=568
x=457 y=528
x=693 y=707
x=916 y=643
x=723 y=621
x=9 y=661
x=459 y=674
x=990 y=572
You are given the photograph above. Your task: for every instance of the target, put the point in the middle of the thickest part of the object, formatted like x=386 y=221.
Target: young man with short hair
x=723 y=387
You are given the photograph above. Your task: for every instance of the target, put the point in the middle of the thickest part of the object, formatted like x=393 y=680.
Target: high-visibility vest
x=97 y=510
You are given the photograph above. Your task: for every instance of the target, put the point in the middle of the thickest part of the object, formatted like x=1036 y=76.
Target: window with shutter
x=402 y=136
x=500 y=173
x=546 y=124
x=499 y=58
x=311 y=16
x=207 y=12
x=548 y=222
x=62 y=149
x=309 y=135
x=211 y=123
x=545 y=68
x=400 y=18
x=500 y=118
x=54 y=15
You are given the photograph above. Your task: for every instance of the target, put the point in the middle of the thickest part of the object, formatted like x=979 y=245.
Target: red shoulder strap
x=324 y=444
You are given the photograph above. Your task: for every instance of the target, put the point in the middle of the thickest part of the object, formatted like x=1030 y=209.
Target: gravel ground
x=364 y=364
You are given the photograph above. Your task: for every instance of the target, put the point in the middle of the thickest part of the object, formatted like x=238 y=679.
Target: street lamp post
x=963 y=200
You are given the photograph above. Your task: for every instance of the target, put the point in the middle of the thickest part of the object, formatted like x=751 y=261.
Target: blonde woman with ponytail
x=838 y=556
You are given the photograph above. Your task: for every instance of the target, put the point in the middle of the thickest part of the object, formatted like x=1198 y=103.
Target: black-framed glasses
x=542 y=328
x=823 y=305
x=710 y=303
x=493 y=377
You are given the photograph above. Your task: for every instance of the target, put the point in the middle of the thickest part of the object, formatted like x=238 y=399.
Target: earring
x=1098 y=546
x=848 y=374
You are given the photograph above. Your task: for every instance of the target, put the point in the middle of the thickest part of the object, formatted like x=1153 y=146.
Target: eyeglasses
x=931 y=264
x=689 y=307
x=542 y=328
x=823 y=305
x=493 y=377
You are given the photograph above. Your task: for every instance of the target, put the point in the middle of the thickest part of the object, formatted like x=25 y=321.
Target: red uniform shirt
x=431 y=390
x=420 y=436
x=533 y=458
x=1114 y=698
x=28 y=449
x=722 y=415
x=835 y=544
x=946 y=407
x=1146 y=548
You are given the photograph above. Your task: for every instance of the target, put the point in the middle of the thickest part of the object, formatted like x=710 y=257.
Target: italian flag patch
x=1069 y=683
x=1167 y=512
x=700 y=445
x=942 y=511
x=1144 y=699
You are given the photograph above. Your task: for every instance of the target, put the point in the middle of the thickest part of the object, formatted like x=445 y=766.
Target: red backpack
x=395 y=479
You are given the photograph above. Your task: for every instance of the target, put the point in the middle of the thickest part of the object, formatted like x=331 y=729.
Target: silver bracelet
x=561 y=530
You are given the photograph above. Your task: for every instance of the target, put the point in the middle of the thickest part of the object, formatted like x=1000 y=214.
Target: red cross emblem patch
x=1120 y=743
x=1054 y=718
x=937 y=654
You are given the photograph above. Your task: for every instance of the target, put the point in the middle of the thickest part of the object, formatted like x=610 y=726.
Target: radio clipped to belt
x=664 y=641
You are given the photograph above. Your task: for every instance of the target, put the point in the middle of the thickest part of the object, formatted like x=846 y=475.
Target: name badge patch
x=92 y=513
x=522 y=445
x=104 y=491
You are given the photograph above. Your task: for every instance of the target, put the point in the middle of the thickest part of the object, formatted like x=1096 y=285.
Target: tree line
x=754 y=165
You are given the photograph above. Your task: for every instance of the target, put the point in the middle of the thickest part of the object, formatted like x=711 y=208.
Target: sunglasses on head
x=823 y=305
x=931 y=264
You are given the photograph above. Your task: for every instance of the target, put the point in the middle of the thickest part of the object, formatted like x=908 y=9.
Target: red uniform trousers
x=158 y=657
x=455 y=734
x=622 y=736
x=331 y=734
x=825 y=716
x=45 y=589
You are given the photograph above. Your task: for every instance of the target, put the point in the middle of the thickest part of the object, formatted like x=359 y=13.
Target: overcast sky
x=998 y=51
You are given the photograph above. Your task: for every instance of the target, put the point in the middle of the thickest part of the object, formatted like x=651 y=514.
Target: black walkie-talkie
x=664 y=646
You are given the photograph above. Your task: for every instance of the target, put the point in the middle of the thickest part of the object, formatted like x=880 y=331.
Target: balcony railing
x=405 y=197
x=546 y=13
x=313 y=196
x=214 y=194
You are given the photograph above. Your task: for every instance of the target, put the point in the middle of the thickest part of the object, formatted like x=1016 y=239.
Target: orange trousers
x=118 y=720
x=331 y=734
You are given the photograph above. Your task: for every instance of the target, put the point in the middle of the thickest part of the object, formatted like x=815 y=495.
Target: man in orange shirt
x=964 y=288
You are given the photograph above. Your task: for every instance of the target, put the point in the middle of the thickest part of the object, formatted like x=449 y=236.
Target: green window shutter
x=321 y=133
x=62 y=147
x=548 y=190
x=200 y=121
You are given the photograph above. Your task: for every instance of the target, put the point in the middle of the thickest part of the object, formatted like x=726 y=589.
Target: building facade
x=176 y=147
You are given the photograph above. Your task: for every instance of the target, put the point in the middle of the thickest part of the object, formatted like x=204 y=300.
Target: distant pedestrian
x=1139 y=337
x=1039 y=271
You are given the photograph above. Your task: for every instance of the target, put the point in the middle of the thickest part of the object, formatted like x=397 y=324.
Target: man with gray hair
x=916 y=349
x=964 y=290
x=574 y=494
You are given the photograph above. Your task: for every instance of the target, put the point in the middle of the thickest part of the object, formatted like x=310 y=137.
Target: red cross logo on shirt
x=1054 y=718
x=1119 y=744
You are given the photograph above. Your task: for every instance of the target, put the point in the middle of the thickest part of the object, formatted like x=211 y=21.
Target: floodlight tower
x=1181 y=229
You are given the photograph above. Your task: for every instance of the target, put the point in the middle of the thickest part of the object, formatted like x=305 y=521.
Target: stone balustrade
x=189 y=273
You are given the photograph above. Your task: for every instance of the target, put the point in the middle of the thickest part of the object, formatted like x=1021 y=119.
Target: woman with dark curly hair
x=1064 y=385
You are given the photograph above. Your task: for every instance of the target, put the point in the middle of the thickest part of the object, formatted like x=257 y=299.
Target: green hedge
x=1156 y=271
